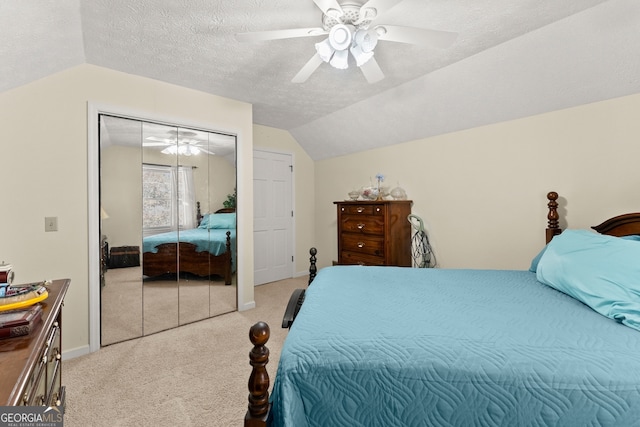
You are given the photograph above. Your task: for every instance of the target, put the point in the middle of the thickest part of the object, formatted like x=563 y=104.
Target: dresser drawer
x=54 y=359
x=35 y=393
x=363 y=209
x=54 y=380
x=367 y=224
x=47 y=373
x=363 y=244
x=360 y=259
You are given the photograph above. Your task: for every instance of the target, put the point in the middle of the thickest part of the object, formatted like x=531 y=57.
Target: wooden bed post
x=198 y=213
x=258 y=411
x=553 y=228
x=312 y=264
x=227 y=271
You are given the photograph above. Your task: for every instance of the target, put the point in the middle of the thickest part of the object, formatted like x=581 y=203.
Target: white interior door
x=272 y=216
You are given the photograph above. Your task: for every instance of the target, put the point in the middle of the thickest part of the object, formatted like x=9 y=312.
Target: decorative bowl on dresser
x=31 y=365
x=374 y=232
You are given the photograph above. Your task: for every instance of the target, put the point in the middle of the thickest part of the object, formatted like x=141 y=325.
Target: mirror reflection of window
x=168 y=197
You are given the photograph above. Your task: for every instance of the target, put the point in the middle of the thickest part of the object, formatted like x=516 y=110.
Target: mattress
x=390 y=346
x=212 y=240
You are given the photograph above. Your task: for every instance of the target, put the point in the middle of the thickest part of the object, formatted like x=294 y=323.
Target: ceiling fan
x=350 y=27
x=184 y=142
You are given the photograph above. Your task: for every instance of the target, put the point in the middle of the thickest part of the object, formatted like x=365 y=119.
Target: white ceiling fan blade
x=307 y=69
x=421 y=36
x=330 y=7
x=156 y=144
x=258 y=36
x=155 y=138
x=372 y=71
x=374 y=8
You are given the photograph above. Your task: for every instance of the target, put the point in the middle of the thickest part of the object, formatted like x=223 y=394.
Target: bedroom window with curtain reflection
x=168 y=198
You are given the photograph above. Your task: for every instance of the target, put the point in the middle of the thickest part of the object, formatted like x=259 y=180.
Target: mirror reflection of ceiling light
x=183 y=150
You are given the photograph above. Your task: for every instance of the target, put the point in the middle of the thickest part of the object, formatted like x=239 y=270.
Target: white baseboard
x=76 y=352
x=247 y=306
x=301 y=273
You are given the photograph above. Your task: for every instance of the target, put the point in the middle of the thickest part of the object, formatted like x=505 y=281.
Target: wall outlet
x=51 y=223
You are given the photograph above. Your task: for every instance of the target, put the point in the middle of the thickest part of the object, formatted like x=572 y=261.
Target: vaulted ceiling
x=512 y=58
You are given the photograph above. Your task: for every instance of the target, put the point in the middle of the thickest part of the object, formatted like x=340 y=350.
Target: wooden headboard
x=226 y=210
x=621 y=225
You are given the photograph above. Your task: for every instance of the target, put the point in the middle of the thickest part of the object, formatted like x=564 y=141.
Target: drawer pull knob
x=360 y=226
x=378 y=209
x=360 y=209
x=361 y=244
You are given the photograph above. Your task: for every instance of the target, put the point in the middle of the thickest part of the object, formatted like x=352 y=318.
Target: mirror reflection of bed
x=159 y=180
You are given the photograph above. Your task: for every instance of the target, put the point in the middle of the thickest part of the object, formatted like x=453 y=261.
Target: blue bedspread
x=209 y=239
x=388 y=346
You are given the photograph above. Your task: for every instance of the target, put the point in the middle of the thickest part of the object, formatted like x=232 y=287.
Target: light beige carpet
x=194 y=375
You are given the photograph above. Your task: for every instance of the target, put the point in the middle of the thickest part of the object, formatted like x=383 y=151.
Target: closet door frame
x=93 y=208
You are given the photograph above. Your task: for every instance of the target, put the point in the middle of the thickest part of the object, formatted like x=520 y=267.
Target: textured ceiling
x=512 y=58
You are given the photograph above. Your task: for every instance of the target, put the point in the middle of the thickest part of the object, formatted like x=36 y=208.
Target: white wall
x=44 y=150
x=482 y=192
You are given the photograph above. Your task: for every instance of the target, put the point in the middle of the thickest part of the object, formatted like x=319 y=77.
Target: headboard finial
x=552 y=228
x=313 y=269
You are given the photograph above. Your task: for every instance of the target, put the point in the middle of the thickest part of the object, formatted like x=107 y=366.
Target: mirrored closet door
x=168 y=226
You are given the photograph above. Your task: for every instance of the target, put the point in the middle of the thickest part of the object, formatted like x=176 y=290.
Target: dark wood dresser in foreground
x=31 y=365
x=374 y=232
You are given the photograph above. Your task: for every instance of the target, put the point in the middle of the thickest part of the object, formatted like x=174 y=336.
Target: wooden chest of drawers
x=374 y=232
x=30 y=365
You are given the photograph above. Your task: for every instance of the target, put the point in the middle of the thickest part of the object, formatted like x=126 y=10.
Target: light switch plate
x=51 y=223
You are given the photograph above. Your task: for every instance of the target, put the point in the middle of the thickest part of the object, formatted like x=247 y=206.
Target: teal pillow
x=601 y=271
x=536 y=260
x=222 y=220
x=204 y=222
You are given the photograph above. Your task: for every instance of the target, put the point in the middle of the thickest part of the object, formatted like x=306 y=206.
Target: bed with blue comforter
x=207 y=250
x=557 y=345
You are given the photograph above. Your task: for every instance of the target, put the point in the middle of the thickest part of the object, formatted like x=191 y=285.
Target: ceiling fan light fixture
x=192 y=150
x=366 y=39
x=324 y=49
x=340 y=60
x=340 y=37
x=183 y=150
x=171 y=149
x=359 y=55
